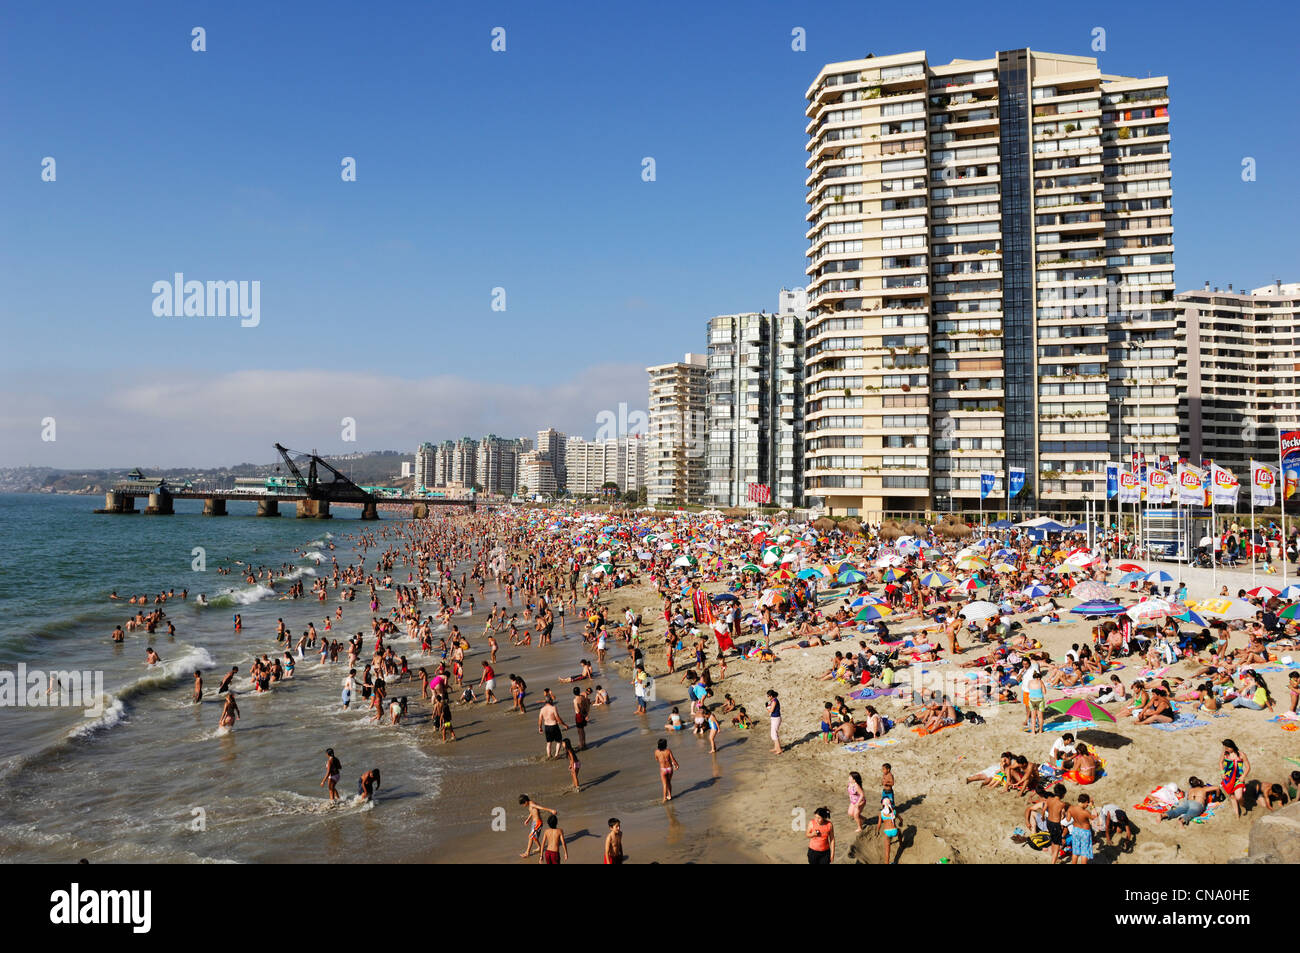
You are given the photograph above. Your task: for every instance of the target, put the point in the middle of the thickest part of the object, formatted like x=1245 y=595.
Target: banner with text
x=986 y=484
x=1223 y=486
x=1262 y=480
x=1158 y=488
x=1112 y=480
x=1290 y=442
x=1130 y=491
x=1191 y=492
x=1017 y=480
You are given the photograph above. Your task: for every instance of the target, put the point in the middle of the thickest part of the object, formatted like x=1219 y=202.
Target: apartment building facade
x=990 y=267
x=551 y=443
x=676 y=432
x=1239 y=373
x=755 y=404
x=593 y=463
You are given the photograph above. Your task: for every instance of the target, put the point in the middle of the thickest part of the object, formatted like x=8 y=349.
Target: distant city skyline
x=375 y=297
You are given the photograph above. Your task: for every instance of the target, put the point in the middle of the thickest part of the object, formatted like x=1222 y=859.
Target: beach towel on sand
x=857 y=747
x=1183 y=722
x=1078 y=725
x=920 y=730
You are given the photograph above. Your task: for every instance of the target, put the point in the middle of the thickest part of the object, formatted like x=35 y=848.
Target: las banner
x=1158 y=488
x=1223 y=486
x=1262 y=480
x=1130 y=490
x=1191 y=492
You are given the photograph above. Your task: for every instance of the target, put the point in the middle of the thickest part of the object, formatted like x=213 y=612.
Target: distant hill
x=375 y=468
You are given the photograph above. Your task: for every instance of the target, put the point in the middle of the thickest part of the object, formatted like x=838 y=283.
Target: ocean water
x=150 y=778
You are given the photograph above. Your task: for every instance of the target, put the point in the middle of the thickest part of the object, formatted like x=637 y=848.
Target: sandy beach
x=769 y=798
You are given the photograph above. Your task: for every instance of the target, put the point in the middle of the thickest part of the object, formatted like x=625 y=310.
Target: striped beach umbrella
x=871 y=613
x=935 y=580
x=849 y=577
x=1036 y=590
x=1263 y=592
x=1159 y=576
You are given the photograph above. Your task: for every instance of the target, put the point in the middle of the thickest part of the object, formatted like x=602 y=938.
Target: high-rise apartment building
x=426 y=465
x=676 y=432
x=536 y=473
x=593 y=463
x=551 y=443
x=498 y=463
x=990 y=269
x=755 y=404
x=1239 y=364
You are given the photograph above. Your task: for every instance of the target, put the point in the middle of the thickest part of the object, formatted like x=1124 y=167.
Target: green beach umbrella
x=1080 y=708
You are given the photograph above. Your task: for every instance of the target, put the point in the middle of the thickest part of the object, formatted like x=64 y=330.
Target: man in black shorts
x=551 y=724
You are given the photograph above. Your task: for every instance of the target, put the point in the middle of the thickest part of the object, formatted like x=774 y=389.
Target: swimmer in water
x=198 y=687
x=151 y=657
x=229 y=712
x=368 y=784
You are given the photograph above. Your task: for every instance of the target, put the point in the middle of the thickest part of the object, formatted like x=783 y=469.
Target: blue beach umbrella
x=1036 y=590
x=849 y=577
x=1159 y=576
x=1098 y=607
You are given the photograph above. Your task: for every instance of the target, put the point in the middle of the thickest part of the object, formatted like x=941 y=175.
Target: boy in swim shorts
x=1082 y=815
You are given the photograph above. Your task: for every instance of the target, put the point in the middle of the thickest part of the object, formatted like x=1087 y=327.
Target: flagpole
x=1280 y=483
x=1250 y=538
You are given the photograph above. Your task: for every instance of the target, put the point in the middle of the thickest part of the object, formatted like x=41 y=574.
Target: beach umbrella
x=1152 y=609
x=599 y=571
x=725 y=597
x=771 y=597
x=1082 y=709
x=1290 y=612
x=1132 y=577
x=1263 y=592
x=1036 y=590
x=845 y=567
x=892 y=575
x=605 y=556
x=1159 y=576
x=1290 y=593
x=1224 y=608
x=750 y=567
x=1091 y=589
x=871 y=613
x=1192 y=618
x=935 y=580
x=1003 y=567
x=811 y=573
x=1130 y=567
x=849 y=577
x=979 y=610
x=685 y=561
x=783 y=575
x=1098 y=607
x=971 y=562
x=971 y=584
x=867 y=599
x=889 y=559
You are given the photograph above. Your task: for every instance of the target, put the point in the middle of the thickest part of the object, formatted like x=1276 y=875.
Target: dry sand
x=940 y=816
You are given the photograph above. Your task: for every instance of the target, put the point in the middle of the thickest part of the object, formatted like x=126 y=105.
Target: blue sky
x=477 y=170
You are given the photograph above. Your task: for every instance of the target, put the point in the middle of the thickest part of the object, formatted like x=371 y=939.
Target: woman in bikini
x=857 y=798
x=667 y=765
x=1233 y=767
